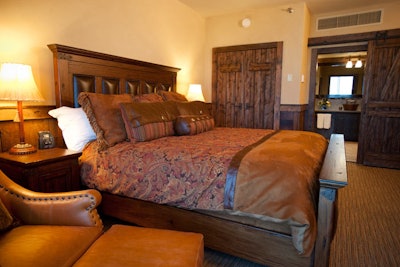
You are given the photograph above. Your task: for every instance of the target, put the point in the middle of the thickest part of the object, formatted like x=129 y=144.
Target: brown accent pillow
x=148 y=121
x=105 y=117
x=171 y=96
x=148 y=98
x=6 y=220
x=193 y=124
x=193 y=108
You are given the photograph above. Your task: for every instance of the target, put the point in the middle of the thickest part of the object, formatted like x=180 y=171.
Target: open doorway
x=331 y=80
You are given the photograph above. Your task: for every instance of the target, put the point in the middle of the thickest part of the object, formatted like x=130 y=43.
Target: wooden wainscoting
x=292 y=117
x=36 y=119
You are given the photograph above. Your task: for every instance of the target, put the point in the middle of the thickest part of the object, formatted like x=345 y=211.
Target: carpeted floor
x=368 y=232
x=351 y=151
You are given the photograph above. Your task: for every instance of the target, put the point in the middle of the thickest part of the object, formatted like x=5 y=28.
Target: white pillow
x=75 y=127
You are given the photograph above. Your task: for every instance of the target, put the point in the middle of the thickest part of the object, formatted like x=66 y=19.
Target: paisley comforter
x=269 y=173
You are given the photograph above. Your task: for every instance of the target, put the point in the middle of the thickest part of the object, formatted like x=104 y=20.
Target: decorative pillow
x=6 y=220
x=171 y=96
x=193 y=108
x=148 y=98
x=75 y=127
x=193 y=124
x=105 y=117
x=148 y=121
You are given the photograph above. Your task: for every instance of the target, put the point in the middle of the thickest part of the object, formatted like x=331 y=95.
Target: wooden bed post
x=333 y=177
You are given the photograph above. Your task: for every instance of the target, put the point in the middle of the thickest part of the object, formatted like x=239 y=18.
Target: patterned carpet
x=368 y=219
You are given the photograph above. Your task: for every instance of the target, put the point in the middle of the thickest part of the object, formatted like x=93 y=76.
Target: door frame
x=332 y=43
x=309 y=124
x=328 y=44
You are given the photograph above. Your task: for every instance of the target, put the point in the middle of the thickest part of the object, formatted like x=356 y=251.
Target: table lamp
x=195 y=93
x=17 y=84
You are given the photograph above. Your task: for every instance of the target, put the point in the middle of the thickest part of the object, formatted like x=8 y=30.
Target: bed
x=231 y=209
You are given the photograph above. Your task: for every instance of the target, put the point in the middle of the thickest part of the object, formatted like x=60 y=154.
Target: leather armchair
x=50 y=229
x=65 y=208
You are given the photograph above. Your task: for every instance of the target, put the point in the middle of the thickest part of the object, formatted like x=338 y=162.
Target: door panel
x=245 y=88
x=380 y=119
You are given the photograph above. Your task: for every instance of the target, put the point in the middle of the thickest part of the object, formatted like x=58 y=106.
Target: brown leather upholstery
x=53 y=229
x=124 y=245
x=45 y=245
x=67 y=208
x=56 y=229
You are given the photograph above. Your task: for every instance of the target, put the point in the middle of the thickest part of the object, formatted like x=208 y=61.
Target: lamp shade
x=17 y=83
x=195 y=93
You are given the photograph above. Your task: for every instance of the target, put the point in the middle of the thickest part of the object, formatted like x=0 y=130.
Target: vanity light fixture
x=358 y=64
x=349 y=64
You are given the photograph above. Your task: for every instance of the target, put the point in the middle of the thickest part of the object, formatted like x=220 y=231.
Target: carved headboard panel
x=77 y=70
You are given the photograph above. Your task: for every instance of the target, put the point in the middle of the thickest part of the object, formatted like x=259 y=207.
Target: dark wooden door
x=246 y=85
x=379 y=138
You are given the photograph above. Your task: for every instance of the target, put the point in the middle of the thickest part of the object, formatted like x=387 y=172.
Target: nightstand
x=47 y=170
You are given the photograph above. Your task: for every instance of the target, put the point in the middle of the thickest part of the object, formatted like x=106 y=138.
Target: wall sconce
x=17 y=84
x=195 y=93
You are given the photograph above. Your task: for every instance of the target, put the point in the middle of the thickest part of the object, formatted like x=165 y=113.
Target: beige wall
x=163 y=32
x=159 y=31
x=268 y=25
x=273 y=24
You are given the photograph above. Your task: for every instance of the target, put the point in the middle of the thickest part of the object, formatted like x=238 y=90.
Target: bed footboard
x=333 y=176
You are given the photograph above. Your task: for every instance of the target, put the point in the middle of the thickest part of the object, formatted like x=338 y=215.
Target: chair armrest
x=76 y=208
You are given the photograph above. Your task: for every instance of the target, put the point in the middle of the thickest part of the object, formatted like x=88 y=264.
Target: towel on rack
x=320 y=120
x=327 y=121
x=324 y=120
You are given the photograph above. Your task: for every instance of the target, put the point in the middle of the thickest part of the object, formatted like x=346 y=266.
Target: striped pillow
x=152 y=131
x=193 y=124
x=148 y=121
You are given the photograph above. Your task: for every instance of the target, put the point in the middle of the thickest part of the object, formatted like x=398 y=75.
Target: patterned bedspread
x=191 y=172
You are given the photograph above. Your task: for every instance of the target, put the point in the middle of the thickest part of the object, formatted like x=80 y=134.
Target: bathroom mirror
x=337 y=78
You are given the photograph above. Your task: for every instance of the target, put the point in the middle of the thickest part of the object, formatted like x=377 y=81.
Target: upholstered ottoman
x=124 y=245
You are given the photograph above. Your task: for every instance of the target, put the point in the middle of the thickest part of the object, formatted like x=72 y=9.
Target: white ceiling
x=208 y=8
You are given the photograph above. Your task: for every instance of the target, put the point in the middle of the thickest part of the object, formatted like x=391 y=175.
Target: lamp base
x=22 y=148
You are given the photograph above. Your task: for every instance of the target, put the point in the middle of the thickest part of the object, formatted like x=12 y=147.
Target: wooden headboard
x=78 y=70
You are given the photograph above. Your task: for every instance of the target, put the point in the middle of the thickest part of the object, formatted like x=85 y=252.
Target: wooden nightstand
x=47 y=170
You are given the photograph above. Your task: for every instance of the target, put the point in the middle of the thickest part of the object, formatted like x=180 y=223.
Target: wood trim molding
x=293 y=107
x=30 y=113
x=292 y=116
x=351 y=38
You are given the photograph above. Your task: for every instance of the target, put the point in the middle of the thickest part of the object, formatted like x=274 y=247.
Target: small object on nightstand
x=46 y=140
x=47 y=170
